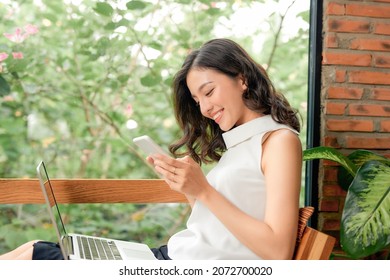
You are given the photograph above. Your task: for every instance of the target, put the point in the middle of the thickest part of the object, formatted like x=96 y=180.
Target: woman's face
x=220 y=97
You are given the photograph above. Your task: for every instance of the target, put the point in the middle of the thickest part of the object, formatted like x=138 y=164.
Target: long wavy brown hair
x=202 y=137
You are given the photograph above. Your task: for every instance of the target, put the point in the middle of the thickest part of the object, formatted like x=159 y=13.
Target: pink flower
x=8 y=98
x=17 y=55
x=16 y=37
x=3 y=56
x=31 y=29
x=129 y=110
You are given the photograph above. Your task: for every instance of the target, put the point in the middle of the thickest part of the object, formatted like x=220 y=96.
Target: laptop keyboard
x=97 y=249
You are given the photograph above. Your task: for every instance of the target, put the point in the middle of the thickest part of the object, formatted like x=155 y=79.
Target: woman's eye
x=210 y=92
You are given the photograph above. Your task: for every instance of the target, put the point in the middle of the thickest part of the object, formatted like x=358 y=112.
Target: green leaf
x=55 y=6
x=332 y=154
x=104 y=9
x=150 y=80
x=365 y=222
x=18 y=65
x=136 y=5
x=123 y=78
x=49 y=16
x=184 y=1
x=358 y=157
x=102 y=45
x=207 y=2
x=123 y=22
x=110 y=26
x=4 y=87
x=156 y=46
x=213 y=11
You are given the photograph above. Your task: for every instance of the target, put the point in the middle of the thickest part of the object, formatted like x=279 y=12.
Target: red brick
x=329 y=205
x=330 y=163
x=331 y=141
x=345 y=93
x=382 y=60
x=333 y=190
x=335 y=9
x=350 y=125
x=331 y=224
x=385 y=126
x=355 y=91
x=331 y=41
x=349 y=26
x=356 y=142
x=381 y=94
x=370 y=44
x=330 y=174
x=369 y=110
x=364 y=10
x=367 y=77
x=333 y=108
x=341 y=76
x=337 y=58
x=382 y=28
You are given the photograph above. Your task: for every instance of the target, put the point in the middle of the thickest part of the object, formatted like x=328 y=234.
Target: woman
x=247 y=207
x=229 y=112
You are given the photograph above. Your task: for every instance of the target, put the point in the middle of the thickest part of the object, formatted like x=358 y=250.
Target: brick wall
x=355 y=91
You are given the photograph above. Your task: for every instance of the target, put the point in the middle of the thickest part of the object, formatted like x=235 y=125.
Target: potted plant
x=365 y=220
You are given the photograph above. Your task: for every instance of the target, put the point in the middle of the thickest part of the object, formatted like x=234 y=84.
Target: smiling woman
x=229 y=112
x=226 y=76
x=67 y=100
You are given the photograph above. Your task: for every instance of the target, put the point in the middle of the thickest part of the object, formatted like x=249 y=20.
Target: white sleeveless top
x=239 y=178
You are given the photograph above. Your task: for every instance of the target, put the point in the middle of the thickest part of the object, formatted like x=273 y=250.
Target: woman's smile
x=217 y=116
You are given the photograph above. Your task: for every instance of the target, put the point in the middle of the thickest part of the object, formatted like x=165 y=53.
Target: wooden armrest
x=314 y=245
x=28 y=191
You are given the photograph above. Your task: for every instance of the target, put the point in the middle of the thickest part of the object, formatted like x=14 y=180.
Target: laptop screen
x=54 y=211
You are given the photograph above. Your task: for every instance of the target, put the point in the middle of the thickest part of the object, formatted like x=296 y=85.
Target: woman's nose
x=205 y=107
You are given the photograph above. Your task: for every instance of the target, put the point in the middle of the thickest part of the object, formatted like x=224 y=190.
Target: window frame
x=313 y=137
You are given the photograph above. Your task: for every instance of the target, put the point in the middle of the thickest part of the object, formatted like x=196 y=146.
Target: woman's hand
x=182 y=174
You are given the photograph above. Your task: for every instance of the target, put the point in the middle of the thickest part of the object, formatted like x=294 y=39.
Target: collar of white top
x=245 y=131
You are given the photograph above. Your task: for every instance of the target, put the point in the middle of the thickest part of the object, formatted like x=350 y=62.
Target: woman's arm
x=273 y=238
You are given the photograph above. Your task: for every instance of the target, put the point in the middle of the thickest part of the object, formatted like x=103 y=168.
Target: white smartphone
x=148 y=145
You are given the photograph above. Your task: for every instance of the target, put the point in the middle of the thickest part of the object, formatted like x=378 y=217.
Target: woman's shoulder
x=281 y=136
x=280 y=147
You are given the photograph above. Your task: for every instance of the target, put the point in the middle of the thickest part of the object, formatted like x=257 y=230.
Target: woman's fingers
x=181 y=174
x=150 y=160
x=166 y=173
x=168 y=167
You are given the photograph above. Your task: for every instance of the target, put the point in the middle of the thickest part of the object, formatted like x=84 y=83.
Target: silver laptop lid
x=53 y=209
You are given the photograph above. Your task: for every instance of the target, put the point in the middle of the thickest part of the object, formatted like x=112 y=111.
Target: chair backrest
x=311 y=244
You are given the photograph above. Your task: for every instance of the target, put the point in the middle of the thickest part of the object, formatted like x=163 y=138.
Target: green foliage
x=91 y=68
x=358 y=158
x=332 y=154
x=365 y=221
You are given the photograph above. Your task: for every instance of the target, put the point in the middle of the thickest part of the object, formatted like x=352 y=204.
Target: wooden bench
x=311 y=244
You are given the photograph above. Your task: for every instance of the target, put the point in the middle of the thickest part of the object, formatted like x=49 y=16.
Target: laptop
x=78 y=246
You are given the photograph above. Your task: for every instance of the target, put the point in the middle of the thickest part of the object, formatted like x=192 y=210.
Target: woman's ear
x=243 y=82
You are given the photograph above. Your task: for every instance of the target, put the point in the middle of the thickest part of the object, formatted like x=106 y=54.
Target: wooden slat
x=314 y=245
x=28 y=191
